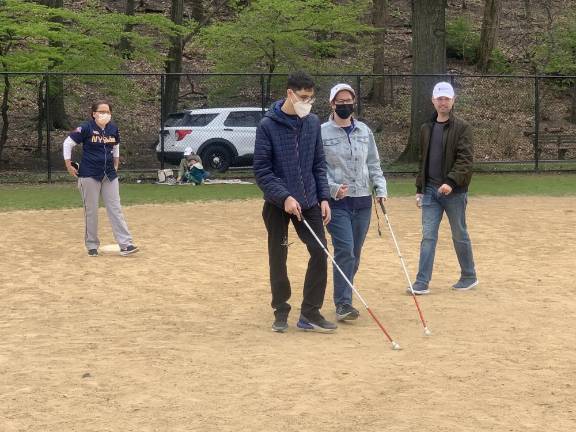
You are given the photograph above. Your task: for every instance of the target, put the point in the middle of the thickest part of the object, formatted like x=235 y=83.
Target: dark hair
x=96 y=104
x=300 y=81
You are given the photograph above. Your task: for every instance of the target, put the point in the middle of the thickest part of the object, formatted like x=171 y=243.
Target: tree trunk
x=198 y=10
x=124 y=46
x=488 y=35
x=58 y=116
x=528 y=10
x=382 y=88
x=174 y=61
x=428 y=57
x=4 y=113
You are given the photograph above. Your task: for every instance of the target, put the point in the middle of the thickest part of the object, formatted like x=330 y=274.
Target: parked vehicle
x=222 y=137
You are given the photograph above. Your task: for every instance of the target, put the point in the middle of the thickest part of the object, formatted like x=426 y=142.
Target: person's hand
x=445 y=189
x=342 y=191
x=71 y=170
x=381 y=199
x=326 y=212
x=419 y=197
x=291 y=206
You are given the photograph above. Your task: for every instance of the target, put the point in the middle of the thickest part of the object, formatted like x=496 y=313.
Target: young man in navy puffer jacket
x=290 y=168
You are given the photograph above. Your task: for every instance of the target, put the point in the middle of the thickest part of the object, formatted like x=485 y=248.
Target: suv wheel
x=217 y=157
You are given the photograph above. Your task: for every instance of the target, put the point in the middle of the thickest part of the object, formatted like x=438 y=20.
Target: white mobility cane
x=394 y=344
x=426 y=331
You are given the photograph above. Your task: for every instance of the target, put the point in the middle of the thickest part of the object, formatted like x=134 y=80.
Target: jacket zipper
x=298 y=160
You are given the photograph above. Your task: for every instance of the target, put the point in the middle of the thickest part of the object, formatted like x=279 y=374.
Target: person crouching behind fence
x=353 y=168
x=97 y=176
x=290 y=168
x=191 y=169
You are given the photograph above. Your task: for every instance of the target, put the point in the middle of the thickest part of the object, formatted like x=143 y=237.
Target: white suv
x=223 y=137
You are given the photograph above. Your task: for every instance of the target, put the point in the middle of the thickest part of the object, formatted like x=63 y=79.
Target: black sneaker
x=319 y=324
x=128 y=250
x=93 y=252
x=280 y=324
x=346 y=312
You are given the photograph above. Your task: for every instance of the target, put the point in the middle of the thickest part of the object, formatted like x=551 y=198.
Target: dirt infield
x=177 y=337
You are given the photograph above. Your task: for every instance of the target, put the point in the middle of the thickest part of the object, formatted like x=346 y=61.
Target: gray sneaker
x=280 y=324
x=419 y=289
x=346 y=312
x=465 y=284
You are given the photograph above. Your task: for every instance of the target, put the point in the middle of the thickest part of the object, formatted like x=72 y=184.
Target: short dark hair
x=96 y=104
x=299 y=81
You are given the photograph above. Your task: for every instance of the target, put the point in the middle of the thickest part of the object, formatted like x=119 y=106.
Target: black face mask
x=344 y=111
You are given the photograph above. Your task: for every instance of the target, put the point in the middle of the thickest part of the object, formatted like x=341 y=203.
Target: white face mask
x=103 y=118
x=302 y=108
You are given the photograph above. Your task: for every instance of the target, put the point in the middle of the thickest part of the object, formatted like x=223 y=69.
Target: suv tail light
x=181 y=133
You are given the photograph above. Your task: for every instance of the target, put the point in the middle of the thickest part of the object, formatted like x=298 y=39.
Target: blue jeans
x=348 y=229
x=433 y=207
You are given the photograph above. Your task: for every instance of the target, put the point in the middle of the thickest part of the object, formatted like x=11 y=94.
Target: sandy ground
x=177 y=337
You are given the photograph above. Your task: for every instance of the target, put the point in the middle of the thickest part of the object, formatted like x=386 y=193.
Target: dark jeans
x=348 y=229
x=434 y=206
x=276 y=221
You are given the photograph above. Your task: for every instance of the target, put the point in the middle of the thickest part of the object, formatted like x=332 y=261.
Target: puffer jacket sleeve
x=319 y=168
x=273 y=187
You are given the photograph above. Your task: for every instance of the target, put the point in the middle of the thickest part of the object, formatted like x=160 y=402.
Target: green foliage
x=279 y=35
x=557 y=52
x=499 y=64
x=462 y=41
x=34 y=37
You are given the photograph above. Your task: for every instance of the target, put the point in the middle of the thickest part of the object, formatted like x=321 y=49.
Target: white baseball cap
x=443 y=89
x=338 y=88
x=187 y=151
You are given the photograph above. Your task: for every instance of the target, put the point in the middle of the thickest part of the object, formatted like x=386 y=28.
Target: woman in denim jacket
x=353 y=170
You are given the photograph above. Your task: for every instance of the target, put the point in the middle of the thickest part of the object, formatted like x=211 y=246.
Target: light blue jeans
x=348 y=229
x=433 y=207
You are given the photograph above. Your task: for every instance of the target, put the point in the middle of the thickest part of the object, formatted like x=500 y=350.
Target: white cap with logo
x=443 y=89
x=338 y=88
x=187 y=151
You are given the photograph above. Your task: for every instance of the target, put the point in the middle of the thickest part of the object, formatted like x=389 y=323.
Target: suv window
x=186 y=119
x=199 y=119
x=174 y=119
x=243 y=118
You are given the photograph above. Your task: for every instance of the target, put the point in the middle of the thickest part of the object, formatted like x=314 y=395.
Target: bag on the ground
x=166 y=176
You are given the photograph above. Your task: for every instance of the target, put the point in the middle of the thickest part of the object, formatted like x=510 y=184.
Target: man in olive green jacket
x=446 y=158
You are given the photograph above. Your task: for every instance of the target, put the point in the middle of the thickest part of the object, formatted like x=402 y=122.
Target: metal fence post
x=262 y=93
x=359 y=94
x=48 y=127
x=162 y=116
x=536 y=123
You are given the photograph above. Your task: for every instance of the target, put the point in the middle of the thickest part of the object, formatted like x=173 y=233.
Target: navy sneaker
x=319 y=324
x=280 y=324
x=346 y=312
x=93 y=252
x=419 y=289
x=128 y=250
x=465 y=284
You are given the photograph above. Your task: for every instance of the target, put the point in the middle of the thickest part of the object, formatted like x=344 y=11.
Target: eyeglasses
x=308 y=100
x=343 y=102
x=103 y=112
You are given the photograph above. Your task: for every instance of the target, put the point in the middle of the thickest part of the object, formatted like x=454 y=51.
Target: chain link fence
x=521 y=123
